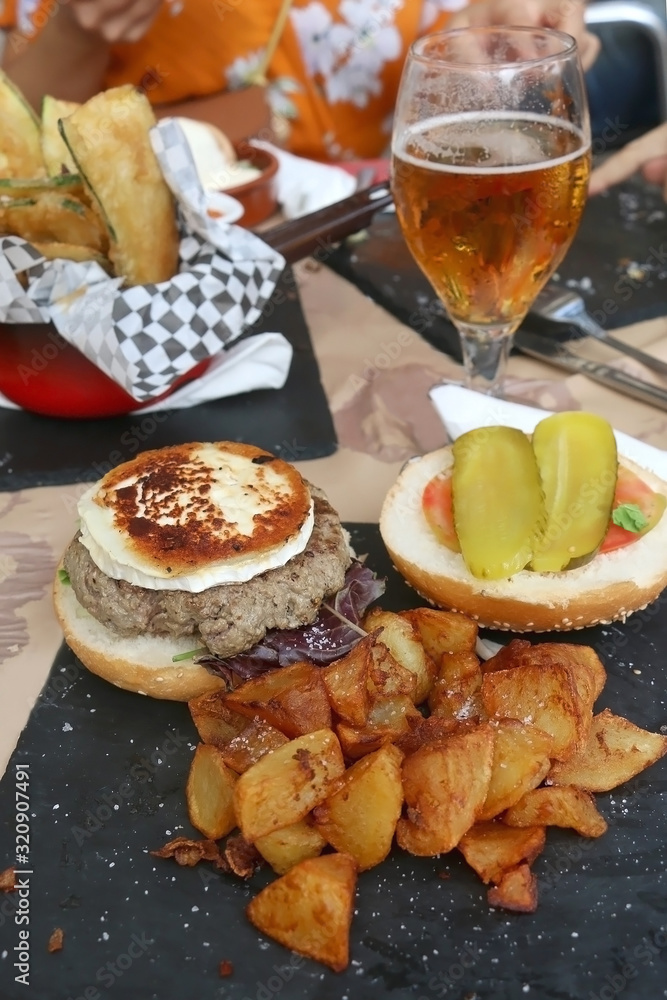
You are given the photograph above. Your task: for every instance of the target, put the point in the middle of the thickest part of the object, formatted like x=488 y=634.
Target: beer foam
x=507 y=151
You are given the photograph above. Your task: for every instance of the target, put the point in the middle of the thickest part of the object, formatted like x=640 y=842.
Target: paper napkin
x=461 y=410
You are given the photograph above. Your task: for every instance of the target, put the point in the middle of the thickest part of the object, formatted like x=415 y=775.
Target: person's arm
x=69 y=55
x=648 y=154
x=565 y=15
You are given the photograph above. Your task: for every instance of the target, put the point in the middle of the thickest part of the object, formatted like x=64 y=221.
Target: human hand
x=648 y=154
x=565 y=15
x=115 y=20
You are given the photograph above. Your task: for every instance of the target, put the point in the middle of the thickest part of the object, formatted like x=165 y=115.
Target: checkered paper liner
x=147 y=336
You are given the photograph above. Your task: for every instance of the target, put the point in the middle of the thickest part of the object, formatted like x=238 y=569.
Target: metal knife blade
x=557 y=354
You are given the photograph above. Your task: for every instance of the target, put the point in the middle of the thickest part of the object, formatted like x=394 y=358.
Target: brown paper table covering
x=376 y=374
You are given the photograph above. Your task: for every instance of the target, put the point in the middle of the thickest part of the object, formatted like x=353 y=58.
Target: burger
x=198 y=564
x=557 y=532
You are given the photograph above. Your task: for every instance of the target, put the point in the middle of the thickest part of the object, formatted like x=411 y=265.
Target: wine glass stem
x=485 y=354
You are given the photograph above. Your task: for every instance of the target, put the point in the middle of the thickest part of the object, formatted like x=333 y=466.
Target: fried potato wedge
x=55 y=153
x=292 y=699
x=445 y=786
x=520 y=763
x=310 y=909
x=403 y=641
x=216 y=723
x=423 y=731
x=359 y=815
x=287 y=847
x=492 y=849
x=559 y=805
x=387 y=676
x=50 y=217
x=507 y=657
x=346 y=683
x=257 y=739
x=108 y=138
x=544 y=696
x=20 y=149
x=387 y=722
x=615 y=751
x=517 y=890
x=210 y=793
x=283 y=787
x=443 y=631
x=455 y=693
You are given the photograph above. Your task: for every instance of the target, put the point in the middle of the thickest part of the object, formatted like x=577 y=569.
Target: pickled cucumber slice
x=578 y=464
x=497 y=499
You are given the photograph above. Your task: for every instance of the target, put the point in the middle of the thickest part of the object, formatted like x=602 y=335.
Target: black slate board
x=293 y=422
x=626 y=226
x=600 y=929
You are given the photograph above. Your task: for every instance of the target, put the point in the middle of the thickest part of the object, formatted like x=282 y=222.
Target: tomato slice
x=631 y=489
x=438 y=510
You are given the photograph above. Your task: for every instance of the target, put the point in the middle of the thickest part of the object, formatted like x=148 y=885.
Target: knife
x=558 y=355
x=319 y=231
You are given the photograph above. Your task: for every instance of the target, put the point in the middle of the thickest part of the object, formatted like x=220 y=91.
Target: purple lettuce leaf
x=323 y=641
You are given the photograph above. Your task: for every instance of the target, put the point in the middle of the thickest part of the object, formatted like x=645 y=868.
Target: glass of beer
x=490 y=165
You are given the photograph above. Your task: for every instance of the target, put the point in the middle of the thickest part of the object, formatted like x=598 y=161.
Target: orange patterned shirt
x=333 y=76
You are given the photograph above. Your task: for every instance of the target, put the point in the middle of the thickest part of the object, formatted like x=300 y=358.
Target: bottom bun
x=142 y=664
x=608 y=588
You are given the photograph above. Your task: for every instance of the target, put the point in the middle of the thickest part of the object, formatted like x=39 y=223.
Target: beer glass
x=490 y=165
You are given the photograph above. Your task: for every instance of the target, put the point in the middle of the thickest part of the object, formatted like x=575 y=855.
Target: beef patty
x=229 y=618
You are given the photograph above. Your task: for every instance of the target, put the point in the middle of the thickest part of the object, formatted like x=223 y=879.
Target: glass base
x=485 y=353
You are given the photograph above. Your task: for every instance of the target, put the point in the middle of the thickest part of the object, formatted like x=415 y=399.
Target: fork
x=566 y=306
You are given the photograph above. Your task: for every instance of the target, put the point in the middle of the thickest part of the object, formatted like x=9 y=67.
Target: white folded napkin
x=461 y=410
x=304 y=186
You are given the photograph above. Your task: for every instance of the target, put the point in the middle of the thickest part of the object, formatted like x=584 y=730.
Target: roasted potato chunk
x=492 y=849
x=507 y=657
x=443 y=631
x=216 y=723
x=403 y=640
x=359 y=816
x=517 y=890
x=614 y=752
x=545 y=696
x=210 y=793
x=422 y=731
x=561 y=805
x=455 y=693
x=310 y=909
x=346 y=683
x=387 y=722
x=445 y=786
x=520 y=763
x=258 y=738
x=292 y=699
x=387 y=677
x=282 y=787
x=287 y=847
